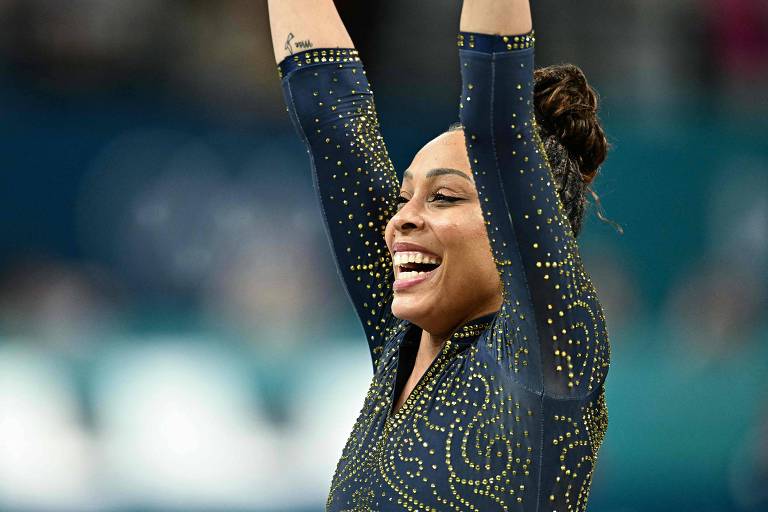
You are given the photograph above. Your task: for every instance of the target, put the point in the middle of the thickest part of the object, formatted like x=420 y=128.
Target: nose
x=409 y=217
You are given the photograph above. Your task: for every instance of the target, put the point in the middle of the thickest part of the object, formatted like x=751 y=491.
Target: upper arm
x=331 y=105
x=551 y=310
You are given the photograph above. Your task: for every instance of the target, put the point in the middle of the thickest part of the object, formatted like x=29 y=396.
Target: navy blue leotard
x=511 y=413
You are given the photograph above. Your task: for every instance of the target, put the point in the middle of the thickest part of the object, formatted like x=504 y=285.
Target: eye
x=441 y=198
x=444 y=198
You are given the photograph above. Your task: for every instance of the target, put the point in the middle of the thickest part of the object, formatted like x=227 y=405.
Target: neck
x=429 y=346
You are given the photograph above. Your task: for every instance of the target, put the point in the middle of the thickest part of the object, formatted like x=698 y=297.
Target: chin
x=402 y=310
x=406 y=308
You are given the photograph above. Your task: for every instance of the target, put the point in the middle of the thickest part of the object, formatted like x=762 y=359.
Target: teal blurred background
x=173 y=335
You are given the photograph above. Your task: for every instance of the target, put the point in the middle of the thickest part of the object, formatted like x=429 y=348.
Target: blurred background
x=173 y=335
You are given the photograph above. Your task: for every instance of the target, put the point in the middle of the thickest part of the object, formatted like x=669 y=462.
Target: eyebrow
x=438 y=172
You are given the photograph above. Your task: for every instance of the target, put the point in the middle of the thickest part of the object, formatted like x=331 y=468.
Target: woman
x=488 y=343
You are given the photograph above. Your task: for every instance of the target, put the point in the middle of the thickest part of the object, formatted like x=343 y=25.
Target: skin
x=467 y=283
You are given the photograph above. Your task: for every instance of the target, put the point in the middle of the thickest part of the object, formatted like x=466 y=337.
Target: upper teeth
x=401 y=258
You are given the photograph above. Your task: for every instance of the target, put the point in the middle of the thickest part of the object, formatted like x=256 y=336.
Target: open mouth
x=412 y=265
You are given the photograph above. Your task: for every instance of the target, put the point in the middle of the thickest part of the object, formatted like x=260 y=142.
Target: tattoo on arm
x=300 y=45
x=304 y=45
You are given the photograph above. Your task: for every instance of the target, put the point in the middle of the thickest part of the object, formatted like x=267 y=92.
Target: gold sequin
x=508 y=395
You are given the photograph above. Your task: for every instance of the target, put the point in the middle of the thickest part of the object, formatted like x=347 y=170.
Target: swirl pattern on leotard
x=511 y=414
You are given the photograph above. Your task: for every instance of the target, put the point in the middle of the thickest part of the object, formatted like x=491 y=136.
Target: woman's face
x=439 y=220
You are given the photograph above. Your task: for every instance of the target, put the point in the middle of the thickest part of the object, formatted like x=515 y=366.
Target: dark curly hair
x=575 y=143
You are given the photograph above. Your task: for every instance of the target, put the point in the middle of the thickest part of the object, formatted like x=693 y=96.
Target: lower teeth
x=410 y=275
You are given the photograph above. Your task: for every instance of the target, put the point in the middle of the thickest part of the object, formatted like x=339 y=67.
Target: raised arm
x=554 y=335
x=499 y=17
x=298 y=25
x=331 y=106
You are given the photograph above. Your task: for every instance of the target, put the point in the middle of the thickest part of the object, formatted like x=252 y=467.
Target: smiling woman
x=439 y=210
x=488 y=343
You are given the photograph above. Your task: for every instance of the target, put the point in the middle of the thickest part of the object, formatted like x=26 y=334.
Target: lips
x=410 y=246
x=405 y=280
x=413 y=264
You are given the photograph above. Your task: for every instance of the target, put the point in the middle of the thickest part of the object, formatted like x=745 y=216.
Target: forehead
x=447 y=151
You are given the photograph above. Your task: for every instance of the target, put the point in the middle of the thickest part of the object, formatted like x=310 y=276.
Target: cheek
x=466 y=230
x=467 y=238
x=389 y=233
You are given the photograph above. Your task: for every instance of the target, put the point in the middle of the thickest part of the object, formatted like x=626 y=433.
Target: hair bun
x=566 y=108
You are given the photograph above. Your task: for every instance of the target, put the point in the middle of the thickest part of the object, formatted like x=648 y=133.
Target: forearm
x=298 y=25
x=500 y=17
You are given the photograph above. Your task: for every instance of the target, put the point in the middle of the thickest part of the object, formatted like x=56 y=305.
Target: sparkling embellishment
x=511 y=413
x=309 y=57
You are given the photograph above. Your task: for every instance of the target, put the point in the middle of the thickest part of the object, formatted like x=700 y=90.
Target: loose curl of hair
x=565 y=107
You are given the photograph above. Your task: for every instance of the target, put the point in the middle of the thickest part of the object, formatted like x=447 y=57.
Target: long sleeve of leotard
x=552 y=332
x=332 y=108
